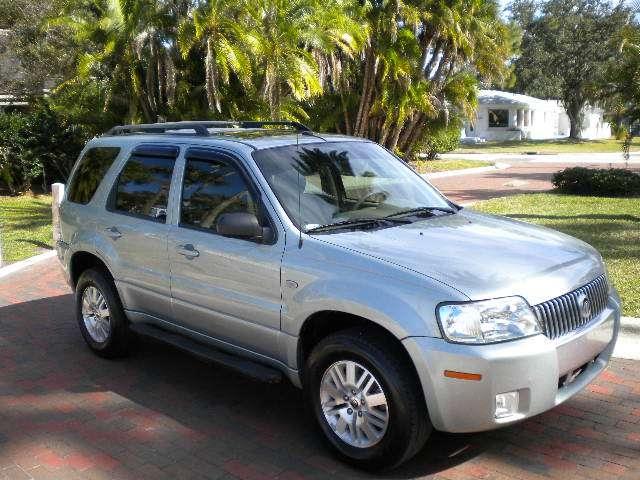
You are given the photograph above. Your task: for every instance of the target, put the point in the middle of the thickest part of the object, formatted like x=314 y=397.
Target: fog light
x=506 y=404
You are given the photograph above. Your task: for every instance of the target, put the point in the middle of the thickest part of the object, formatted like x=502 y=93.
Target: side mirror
x=243 y=225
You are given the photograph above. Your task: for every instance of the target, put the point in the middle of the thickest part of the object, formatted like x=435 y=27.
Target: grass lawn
x=612 y=225
x=25 y=226
x=550 y=146
x=430 y=166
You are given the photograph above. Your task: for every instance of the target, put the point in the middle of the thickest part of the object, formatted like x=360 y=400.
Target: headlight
x=487 y=321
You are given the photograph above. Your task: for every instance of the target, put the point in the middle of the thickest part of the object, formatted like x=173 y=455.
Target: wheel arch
x=323 y=323
x=83 y=260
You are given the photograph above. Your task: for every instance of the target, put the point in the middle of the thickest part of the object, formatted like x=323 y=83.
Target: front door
x=224 y=287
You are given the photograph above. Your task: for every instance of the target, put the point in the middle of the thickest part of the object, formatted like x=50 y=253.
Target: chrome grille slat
x=602 y=293
x=568 y=302
x=573 y=307
x=551 y=325
x=558 y=315
x=565 y=313
x=561 y=315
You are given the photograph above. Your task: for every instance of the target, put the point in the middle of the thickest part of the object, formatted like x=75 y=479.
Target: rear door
x=133 y=231
x=224 y=287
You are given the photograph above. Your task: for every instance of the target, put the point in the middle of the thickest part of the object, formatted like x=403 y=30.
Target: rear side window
x=91 y=169
x=142 y=189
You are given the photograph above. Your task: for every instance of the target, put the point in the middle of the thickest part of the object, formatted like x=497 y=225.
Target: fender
x=321 y=277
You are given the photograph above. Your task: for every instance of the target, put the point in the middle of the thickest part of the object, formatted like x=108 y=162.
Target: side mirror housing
x=243 y=225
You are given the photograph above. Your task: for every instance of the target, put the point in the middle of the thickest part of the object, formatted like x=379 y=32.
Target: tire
x=407 y=425
x=112 y=341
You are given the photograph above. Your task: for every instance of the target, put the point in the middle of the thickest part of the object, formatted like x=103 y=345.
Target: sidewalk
x=579 y=158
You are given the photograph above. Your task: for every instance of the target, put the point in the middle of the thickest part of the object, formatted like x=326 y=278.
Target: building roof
x=496 y=97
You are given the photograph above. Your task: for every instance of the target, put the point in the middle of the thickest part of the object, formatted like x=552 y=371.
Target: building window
x=498 y=118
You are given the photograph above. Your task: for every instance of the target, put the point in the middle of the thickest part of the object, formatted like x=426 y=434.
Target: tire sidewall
x=94 y=278
x=393 y=444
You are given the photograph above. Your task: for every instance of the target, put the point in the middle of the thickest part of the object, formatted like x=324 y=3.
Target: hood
x=482 y=256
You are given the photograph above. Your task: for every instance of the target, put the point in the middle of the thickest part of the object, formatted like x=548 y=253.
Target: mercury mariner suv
x=280 y=252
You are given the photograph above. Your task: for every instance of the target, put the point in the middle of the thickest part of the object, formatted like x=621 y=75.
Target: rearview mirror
x=243 y=225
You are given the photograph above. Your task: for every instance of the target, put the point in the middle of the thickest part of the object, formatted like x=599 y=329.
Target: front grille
x=562 y=315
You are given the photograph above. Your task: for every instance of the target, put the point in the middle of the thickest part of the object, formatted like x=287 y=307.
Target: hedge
x=611 y=182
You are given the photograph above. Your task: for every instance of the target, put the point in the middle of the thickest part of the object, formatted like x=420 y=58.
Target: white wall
x=535 y=123
x=544 y=120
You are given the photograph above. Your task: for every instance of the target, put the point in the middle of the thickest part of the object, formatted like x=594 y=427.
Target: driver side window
x=211 y=187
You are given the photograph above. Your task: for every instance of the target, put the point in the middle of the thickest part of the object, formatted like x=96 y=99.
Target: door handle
x=187 y=250
x=113 y=233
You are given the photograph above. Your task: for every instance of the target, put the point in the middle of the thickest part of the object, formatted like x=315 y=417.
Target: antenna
x=299 y=199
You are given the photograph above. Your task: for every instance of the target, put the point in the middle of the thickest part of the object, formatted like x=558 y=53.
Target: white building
x=511 y=116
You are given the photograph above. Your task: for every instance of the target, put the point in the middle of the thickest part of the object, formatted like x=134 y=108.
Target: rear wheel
x=366 y=400
x=100 y=314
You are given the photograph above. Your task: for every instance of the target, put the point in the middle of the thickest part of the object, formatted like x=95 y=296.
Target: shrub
x=619 y=131
x=612 y=182
x=17 y=168
x=38 y=146
x=440 y=138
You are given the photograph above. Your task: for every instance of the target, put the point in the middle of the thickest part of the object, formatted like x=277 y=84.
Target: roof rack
x=201 y=128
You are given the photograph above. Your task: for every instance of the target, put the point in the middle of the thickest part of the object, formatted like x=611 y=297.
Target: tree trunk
x=405 y=139
x=367 y=88
x=345 y=111
x=211 y=67
x=574 y=112
x=151 y=80
x=395 y=136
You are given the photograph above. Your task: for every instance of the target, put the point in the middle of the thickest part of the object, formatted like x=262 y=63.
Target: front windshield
x=325 y=183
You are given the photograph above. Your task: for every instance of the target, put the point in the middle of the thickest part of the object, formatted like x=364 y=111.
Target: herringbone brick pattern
x=67 y=414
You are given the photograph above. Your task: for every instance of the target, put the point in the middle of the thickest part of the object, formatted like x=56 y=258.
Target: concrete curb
x=630 y=325
x=466 y=171
x=21 y=265
x=628 y=344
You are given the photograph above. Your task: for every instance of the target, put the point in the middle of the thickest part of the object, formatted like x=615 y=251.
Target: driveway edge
x=466 y=171
x=22 y=264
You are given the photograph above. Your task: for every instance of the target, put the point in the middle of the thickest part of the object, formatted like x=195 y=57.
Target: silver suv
x=277 y=251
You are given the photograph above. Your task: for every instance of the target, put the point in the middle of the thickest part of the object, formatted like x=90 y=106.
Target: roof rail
x=201 y=128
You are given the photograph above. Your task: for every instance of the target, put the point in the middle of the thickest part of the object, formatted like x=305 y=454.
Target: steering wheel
x=367 y=196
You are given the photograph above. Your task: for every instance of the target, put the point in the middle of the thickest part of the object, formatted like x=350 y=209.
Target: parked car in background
x=277 y=251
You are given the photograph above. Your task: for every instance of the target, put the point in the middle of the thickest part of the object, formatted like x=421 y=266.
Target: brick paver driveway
x=521 y=177
x=65 y=413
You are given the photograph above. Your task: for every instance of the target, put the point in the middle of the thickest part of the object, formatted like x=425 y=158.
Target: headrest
x=286 y=183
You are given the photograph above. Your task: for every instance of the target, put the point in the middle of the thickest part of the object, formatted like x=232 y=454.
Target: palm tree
x=289 y=38
x=417 y=66
x=127 y=48
x=216 y=27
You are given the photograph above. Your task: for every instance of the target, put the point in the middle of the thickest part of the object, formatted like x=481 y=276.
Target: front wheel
x=366 y=400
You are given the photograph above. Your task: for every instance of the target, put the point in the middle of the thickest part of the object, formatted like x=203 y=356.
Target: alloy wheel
x=354 y=404
x=96 y=315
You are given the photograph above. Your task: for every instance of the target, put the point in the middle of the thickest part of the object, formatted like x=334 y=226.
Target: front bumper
x=533 y=366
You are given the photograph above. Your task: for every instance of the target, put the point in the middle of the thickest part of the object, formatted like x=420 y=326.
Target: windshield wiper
x=355 y=222
x=420 y=211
